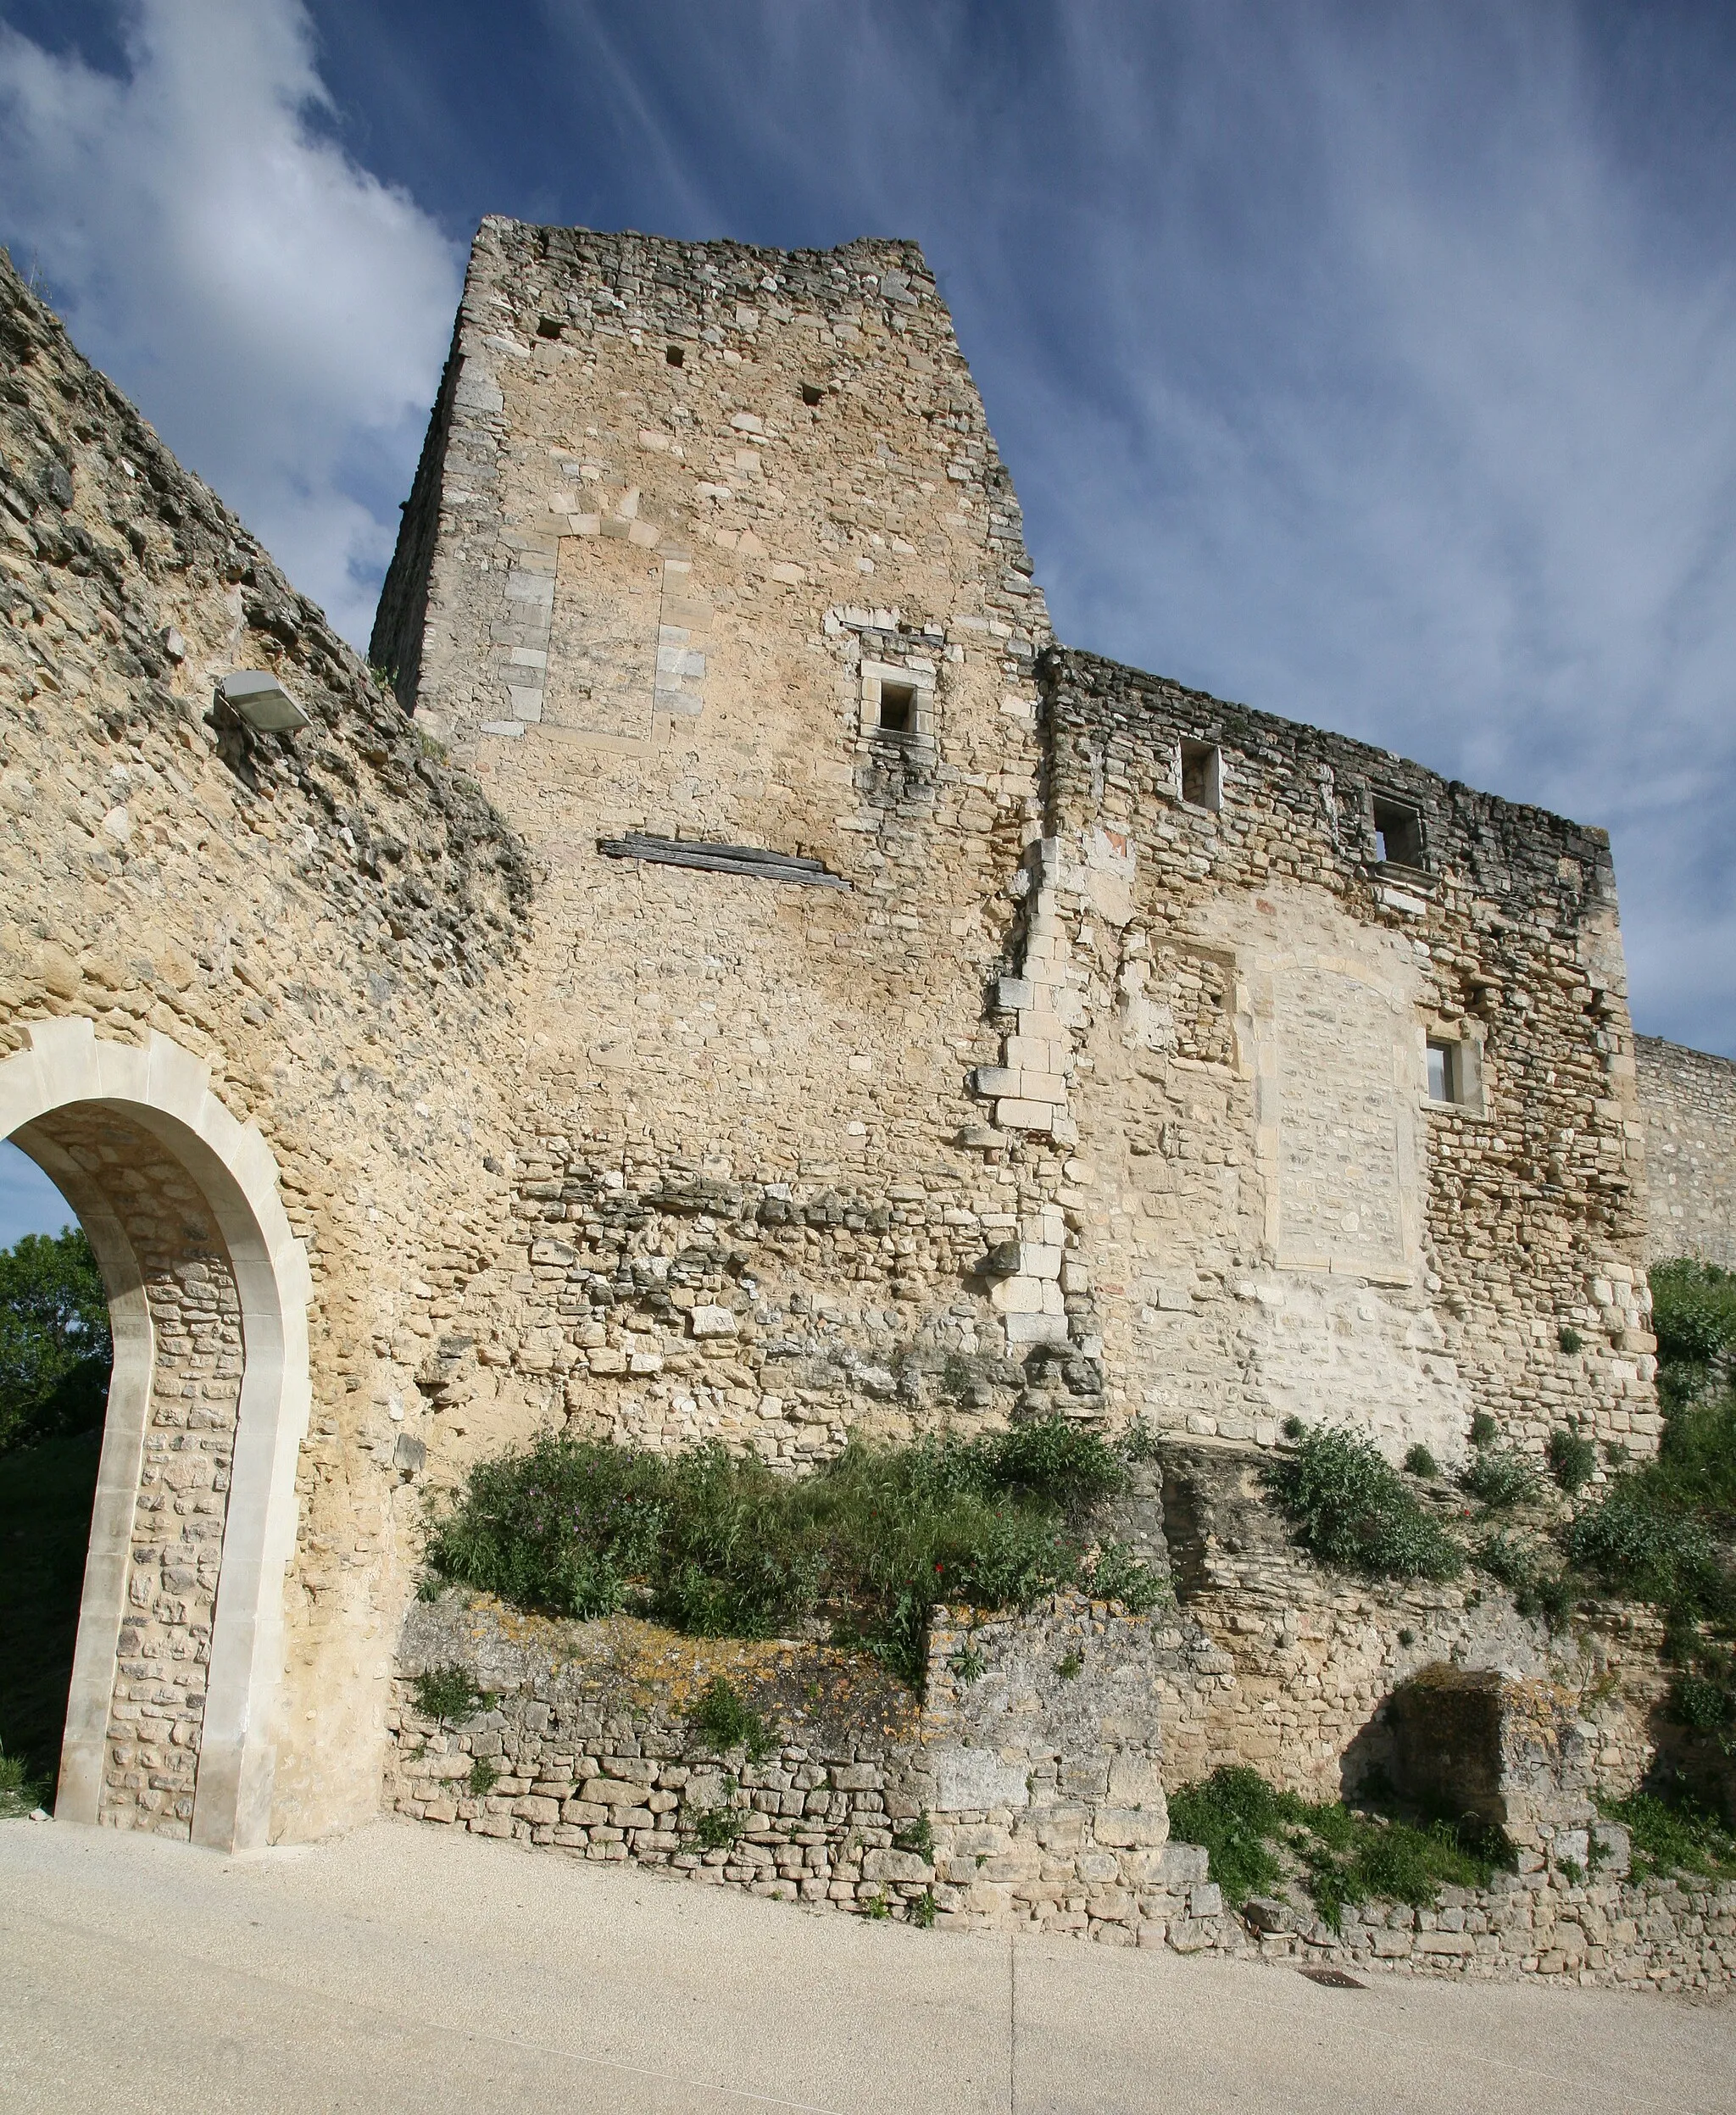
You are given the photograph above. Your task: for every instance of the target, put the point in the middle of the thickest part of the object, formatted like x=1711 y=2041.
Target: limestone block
x=977 y=1780
x=711 y=1321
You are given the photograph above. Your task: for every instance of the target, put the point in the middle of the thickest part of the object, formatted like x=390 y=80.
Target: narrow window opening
x=1446 y=1071
x=548 y=326
x=1202 y=774
x=898 y=708
x=675 y=355
x=1399 y=833
x=811 y=392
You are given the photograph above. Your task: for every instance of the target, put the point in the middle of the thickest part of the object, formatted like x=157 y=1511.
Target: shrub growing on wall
x=1350 y=1508
x=718 y=1545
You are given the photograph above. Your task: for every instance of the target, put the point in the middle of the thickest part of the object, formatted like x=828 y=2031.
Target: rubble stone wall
x=1026 y=1798
x=330 y=921
x=1688 y=1098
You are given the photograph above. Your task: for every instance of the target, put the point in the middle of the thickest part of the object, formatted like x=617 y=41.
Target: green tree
x=55 y=1348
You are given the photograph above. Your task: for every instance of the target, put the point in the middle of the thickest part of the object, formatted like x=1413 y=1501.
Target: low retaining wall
x=1024 y=1796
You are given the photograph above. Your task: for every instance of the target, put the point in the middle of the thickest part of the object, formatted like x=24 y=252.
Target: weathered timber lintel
x=750 y=859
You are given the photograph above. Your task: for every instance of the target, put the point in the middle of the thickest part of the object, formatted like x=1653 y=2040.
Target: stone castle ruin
x=744 y=980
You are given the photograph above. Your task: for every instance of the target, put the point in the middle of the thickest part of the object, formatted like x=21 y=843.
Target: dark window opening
x=675 y=355
x=811 y=392
x=1201 y=774
x=898 y=708
x=548 y=326
x=1399 y=833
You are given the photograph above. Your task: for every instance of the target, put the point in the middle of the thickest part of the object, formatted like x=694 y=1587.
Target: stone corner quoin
x=727 y=973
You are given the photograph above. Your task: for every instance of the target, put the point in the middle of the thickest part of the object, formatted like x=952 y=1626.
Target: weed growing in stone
x=1421 y=1463
x=917 y=1836
x=1572 y=1459
x=719 y=1545
x=444 y=1692
x=969 y=1664
x=485 y=1775
x=722 y=1721
x=1069 y=1667
x=1485 y=1431
x=922 y=1911
x=717 y=1828
x=1256 y=1837
x=19 y=1792
x=1569 y=1339
x=1351 y=1508
x=1500 y=1477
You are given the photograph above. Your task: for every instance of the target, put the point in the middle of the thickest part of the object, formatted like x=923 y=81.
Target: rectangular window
x=1397 y=830
x=1441 y=1068
x=898 y=708
x=1202 y=774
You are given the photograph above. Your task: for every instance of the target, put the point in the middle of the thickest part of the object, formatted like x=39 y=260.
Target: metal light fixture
x=262 y=701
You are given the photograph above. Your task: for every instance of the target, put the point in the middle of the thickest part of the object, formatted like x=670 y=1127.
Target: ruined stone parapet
x=1688 y=1101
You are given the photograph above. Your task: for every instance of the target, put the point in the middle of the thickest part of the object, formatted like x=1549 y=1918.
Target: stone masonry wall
x=1269 y=1215
x=753 y=1190
x=969 y=1813
x=1688 y=1099
x=1080 y=1085
x=329 y=920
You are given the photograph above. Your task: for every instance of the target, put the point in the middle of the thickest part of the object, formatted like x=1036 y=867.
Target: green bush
x=1499 y=1477
x=1350 y=1508
x=1232 y=1814
x=1485 y=1431
x=1694 y=1311
x=1673 y=1835
x=1703 y=1703
x=722 y=1721
x=444 y=1692
x=1644 y=1546
x=1538 y=1592
x=1572 y=1459
x=1569 y=1339
x=718 y=1545
x=1342 y=1855
x=55 y=1347
x=1421 y=1463
x=717 y=1828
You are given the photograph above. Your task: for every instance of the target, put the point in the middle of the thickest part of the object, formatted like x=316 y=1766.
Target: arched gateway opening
x=169 y=1717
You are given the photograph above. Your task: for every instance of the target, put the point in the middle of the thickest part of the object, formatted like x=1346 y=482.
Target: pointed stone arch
x=220 y=1182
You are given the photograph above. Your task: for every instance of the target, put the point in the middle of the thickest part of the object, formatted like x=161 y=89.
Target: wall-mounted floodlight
x=262 y=701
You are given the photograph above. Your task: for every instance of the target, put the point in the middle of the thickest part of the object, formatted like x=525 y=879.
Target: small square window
x=898 y=708
x=1456 y=1073
x=548 y=326
x=811 y=392
x=1397 y=830
x=675 y=355
x=1202 y=774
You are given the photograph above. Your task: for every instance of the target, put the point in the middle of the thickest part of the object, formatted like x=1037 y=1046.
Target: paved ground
x=403 y=1967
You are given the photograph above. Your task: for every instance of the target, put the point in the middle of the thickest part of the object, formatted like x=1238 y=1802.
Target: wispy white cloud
x=279 y=312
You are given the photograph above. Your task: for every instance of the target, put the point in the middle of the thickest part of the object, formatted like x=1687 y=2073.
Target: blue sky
x=1372 y=364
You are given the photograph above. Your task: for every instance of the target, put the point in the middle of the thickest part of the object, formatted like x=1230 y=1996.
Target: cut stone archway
x=195 y=1513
